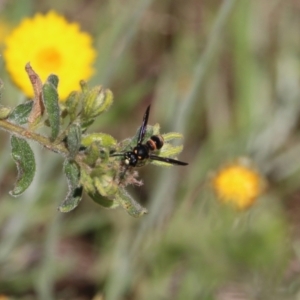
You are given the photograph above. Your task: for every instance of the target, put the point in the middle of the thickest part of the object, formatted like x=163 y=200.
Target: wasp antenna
x=117 y=154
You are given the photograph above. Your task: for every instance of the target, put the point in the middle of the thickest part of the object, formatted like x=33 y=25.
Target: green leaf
x=104 y=139
x=72 y=200
x=91 y=190
x=72 y=104
x=106 y=185
x=172 y=135
x=4 y=112
x=74 y=139
x=133 y=208
x=86 y=181
x=170 y=150
x=53 y=79
x=74 y=195
x=95 y=101
x=50 y=97
x=20 y=113
x=84 y=86
x=24 y=158
x=109 y=97
x=92 y=154
x=86 y=123
x=103 y=201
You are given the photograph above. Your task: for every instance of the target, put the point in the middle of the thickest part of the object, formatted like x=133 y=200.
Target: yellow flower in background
x=238 y=184
x=51 y=45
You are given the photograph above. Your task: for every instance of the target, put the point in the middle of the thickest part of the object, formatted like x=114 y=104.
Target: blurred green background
x=226 y=74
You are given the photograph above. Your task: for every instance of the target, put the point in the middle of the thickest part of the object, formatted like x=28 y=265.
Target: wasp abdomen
x=155 y=142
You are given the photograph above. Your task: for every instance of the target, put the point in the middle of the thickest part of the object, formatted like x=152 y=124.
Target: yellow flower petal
x=238 y=184
x=51 y=45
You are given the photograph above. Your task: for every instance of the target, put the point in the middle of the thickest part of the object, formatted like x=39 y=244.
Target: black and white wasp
x=143 y=151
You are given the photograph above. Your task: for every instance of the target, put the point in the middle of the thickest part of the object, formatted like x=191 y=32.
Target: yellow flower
x=238 y=183
x=51 y=45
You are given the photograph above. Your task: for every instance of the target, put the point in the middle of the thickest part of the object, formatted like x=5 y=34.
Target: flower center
x=49 y=59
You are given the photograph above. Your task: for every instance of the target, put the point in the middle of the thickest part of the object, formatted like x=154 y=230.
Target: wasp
x=143 y=151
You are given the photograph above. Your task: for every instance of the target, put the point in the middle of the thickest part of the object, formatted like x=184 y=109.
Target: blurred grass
x=226 y=75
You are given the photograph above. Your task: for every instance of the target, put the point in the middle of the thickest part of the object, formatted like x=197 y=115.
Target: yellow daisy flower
x=51 y=45
x=238 y=184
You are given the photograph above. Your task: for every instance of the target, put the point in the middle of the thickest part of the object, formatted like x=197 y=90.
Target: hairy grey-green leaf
x=72 y=200
x=72 y=173
x=20 y=113
x=74 y=195
x=72 y=104
x=53 y=79
x=4 y=112
x=86 y=123
x=74 y=139
x=103 y=201
x=104 y=139
x=24 y=158
x=50 y=97
x=129 y=204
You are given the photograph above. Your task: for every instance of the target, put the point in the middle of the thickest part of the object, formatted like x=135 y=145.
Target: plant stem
x=27 y=134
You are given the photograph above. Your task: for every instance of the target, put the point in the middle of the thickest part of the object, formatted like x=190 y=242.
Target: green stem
x=27 y=134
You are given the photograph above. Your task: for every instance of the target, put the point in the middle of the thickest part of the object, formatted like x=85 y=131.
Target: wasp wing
x=168 y=160
x=144 y=126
